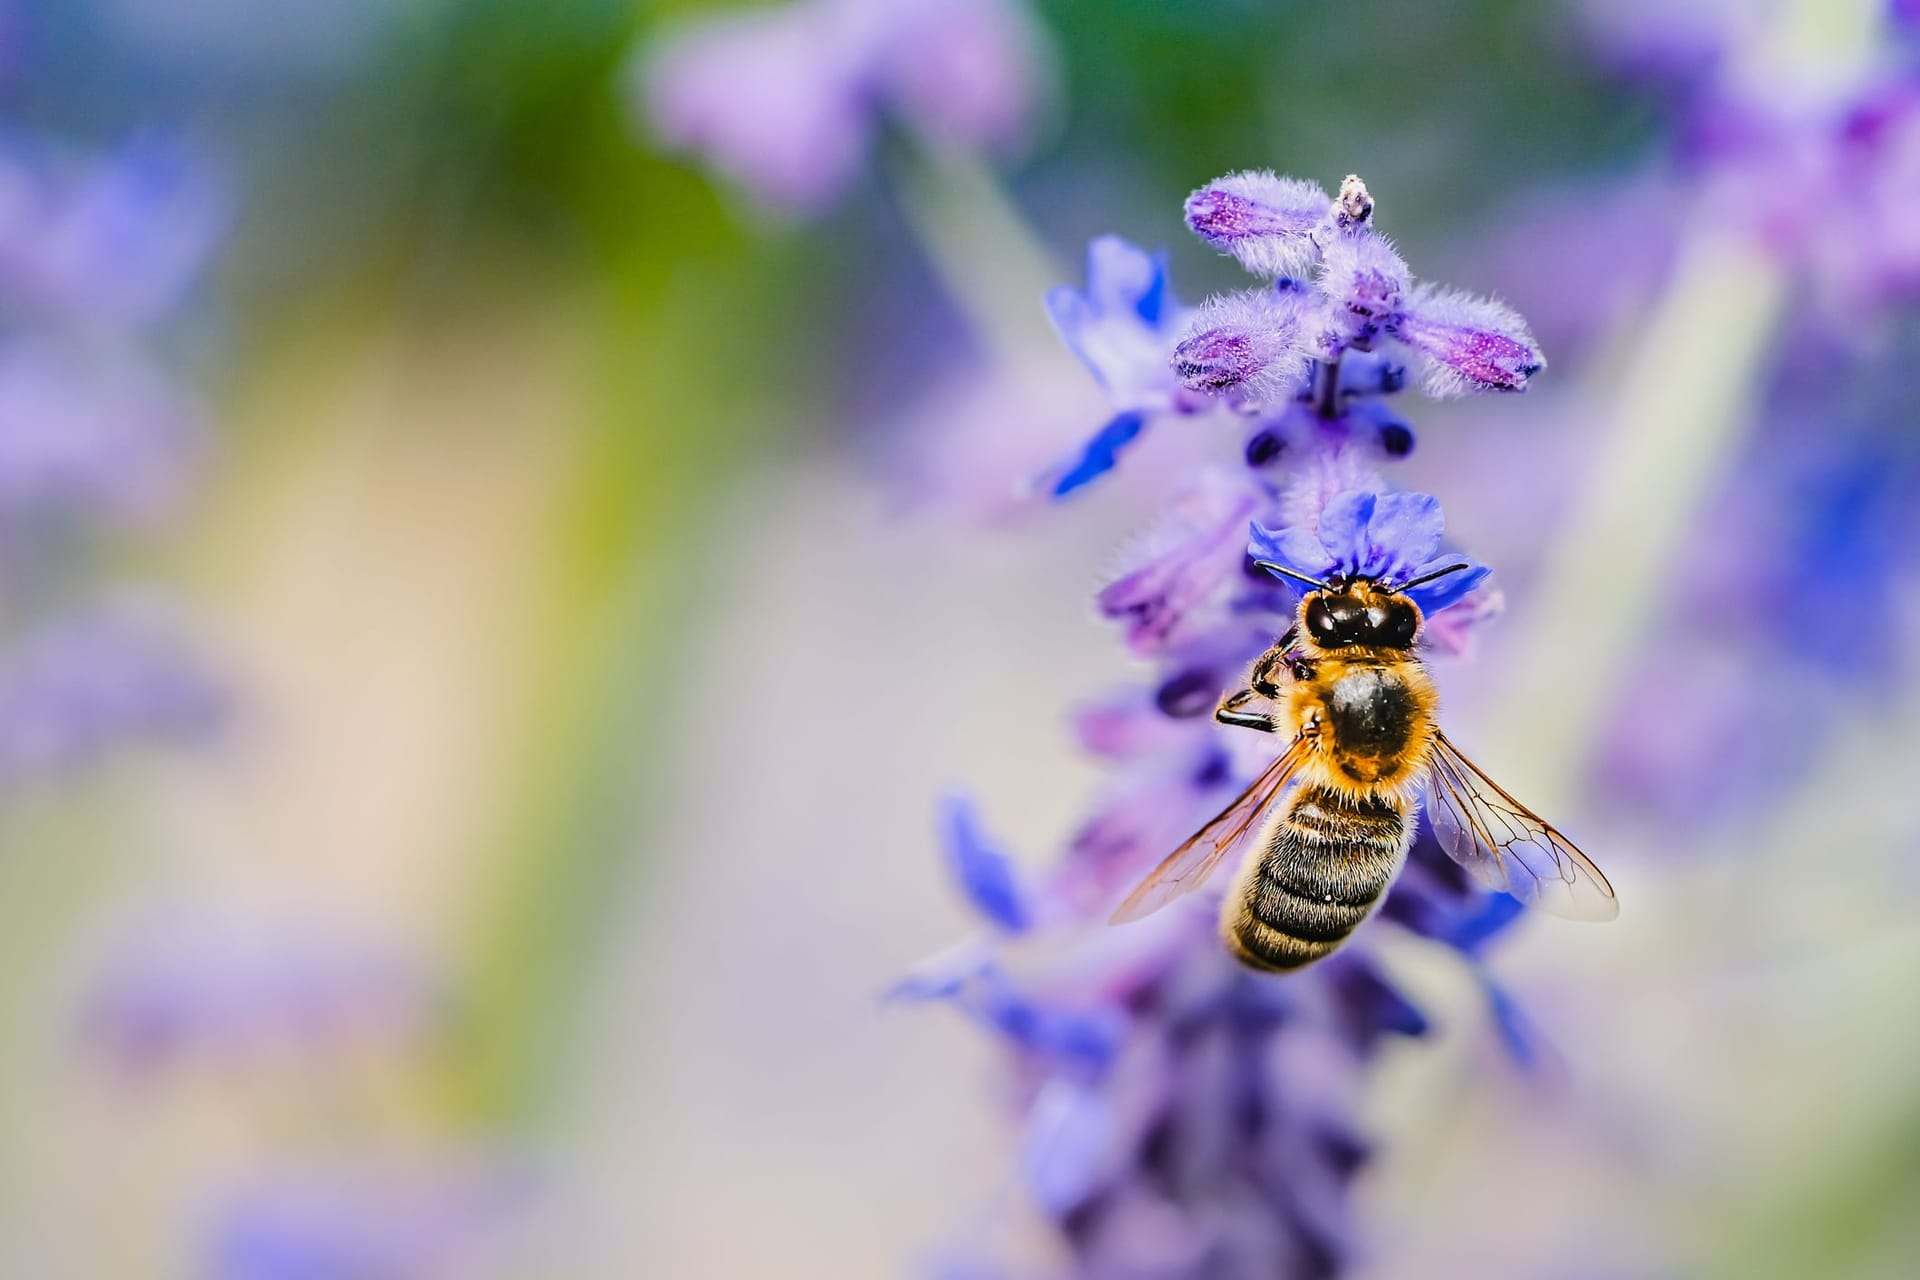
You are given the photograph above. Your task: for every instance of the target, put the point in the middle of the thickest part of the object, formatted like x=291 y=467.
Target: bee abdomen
x=1323 y=868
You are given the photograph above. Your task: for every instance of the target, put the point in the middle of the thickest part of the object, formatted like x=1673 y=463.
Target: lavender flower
x=1183 y=1116
x=825 y=73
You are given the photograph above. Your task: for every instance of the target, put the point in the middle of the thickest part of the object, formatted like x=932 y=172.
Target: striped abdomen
x=1321 y=868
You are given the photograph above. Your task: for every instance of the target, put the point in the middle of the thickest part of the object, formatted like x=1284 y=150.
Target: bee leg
x=1262 y=681
x=1228 y=712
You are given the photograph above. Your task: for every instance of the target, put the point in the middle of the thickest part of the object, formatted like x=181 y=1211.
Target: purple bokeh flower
x=98 y=256
x=1815 y=161
x=115 y=241
x=1815 y=158
x=824 y=74
x=93 y=429
x=237 y=994
x=76 y=686
x=370 y=1221
x=1822 y=511
x=1183 y=1116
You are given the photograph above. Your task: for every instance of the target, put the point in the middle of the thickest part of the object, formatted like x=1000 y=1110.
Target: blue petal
x=1343 y=527
x=945 y=975
x=1444 y=593
x=1377 y=1005
x=1152 y=305
x=1124 y=277
x=987 y=875
x=1101 y=453
x=1522 y=1039
x=1069 y=1146
x=1086 y=1038
x=1295 y=548
x=1070 y=312
x=1472 y=932
x=1404 y=531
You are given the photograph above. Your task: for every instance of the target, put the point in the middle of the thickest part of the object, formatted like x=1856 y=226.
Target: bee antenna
x=1285 y=572
x=1437 y=573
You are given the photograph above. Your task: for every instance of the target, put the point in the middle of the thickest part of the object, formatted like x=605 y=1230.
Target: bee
x=1358 y=705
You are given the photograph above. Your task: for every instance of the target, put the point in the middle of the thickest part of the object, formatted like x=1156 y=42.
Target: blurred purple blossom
x=1817 y=159
x=72 y=688
x=90 y=429
x=114 y=241
x=370 y=1221
x=230 y=993
x=824 y=75
x=1183 y=1116
x=98 y=255
x=1819 y=520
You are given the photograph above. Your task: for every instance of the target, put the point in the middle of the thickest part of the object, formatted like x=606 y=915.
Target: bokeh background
x=493 y=593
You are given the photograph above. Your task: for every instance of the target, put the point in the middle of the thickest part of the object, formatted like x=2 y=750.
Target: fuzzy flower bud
x=1471 y=344
x=1248 y=343
x=1265 y=221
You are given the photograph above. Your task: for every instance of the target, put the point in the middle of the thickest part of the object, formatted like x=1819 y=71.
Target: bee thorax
x=1373 y=722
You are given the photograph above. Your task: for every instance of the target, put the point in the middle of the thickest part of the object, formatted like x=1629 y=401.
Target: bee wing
x=1187 y=868
x=1505 y=845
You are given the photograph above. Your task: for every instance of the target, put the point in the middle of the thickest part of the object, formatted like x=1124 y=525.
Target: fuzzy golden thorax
x=1364 y=698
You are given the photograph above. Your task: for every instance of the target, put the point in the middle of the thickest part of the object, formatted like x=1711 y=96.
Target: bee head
x=1364 y=612
x=1359 y=613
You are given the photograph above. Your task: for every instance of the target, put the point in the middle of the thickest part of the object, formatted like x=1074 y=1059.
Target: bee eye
x=1392 y=624
x=1320 y=621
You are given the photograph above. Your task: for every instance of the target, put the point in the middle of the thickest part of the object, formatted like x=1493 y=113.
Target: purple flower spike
x=1471 y=344
x=1248 y=343
x=1264 y=220
x=1391 y=537
x=1183 y=1115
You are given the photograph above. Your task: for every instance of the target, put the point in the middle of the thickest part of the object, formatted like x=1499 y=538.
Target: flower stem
x=987 y=257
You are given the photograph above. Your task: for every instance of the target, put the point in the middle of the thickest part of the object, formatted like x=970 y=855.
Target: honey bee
x=1345 y=683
